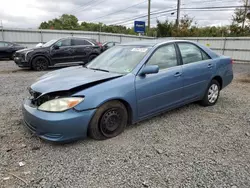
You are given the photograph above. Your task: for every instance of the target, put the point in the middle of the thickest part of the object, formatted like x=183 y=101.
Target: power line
x=152 y=13
x=164 y=14
x=93 y=3
x=83 y=5
x=144 y=2
x=118 y=11
x=167 y=11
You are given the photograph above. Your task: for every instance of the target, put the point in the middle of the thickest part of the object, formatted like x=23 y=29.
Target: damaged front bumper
x=58 y=127
x=21 y=62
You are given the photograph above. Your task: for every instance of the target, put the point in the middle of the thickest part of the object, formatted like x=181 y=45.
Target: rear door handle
x=178 y=74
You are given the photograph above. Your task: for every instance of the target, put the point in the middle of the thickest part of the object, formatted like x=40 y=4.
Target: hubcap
x=213 y=93
x=110 y=121
x=41 y=64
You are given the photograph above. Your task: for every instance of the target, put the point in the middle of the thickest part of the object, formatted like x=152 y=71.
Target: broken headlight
x=60 y=104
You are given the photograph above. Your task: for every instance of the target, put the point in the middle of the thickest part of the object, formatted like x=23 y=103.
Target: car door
x=162 y=90
x=82 y=49
x=5 y=50
x=197 y=69
x=62 y=51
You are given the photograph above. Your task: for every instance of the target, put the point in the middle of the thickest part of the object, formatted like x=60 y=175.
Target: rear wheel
x=212 y=94
x=40 y=63
x=109 y=121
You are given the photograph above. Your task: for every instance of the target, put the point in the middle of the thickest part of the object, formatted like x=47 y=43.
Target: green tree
x=66 y=21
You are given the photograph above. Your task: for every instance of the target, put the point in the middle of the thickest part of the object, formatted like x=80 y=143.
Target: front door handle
x=178 y=74
x=210 y=66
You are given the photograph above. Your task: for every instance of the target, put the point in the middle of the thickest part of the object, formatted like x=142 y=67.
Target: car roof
x=153 y=42
x=80 y=38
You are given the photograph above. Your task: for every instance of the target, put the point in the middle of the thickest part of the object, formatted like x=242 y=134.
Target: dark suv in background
x=64 y=50
x=7 y=49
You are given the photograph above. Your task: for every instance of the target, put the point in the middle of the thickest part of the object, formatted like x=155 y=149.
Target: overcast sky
x=30 y=13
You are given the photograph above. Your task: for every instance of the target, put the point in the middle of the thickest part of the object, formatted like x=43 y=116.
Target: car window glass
x=8 y=44
x=205 y=56
x=164 y=57
x=120 y=59
x=77 y=42
x=110 y=44
x=4 y=44
x=65 y=42
x=190 y=53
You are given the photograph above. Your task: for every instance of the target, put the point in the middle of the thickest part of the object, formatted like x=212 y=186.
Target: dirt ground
x=191 y=146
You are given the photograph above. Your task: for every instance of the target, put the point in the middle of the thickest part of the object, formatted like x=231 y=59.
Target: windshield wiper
x=99 y=69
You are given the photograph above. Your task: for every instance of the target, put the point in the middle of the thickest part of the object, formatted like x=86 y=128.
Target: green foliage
x=187 y=27
x=70 y=22
x=66 y=21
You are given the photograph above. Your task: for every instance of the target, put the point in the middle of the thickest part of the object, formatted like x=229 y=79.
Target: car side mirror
x=149 y=69
x=56 y=47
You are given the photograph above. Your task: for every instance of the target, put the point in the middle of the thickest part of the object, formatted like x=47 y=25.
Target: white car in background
x=40 y=44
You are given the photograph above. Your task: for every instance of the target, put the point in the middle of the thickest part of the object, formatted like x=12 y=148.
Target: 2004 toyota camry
x=124 y=85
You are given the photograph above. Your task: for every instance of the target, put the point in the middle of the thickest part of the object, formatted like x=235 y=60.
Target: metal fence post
x=2 y=34
x=99 y=37
x=224 y=46
x=41 y=34
x=120 y=38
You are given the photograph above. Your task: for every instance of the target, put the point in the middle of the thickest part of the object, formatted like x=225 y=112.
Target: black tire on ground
x=91 y=57
x=40 y=63
x=12 y=57
x=109 y=121
x=212 y=90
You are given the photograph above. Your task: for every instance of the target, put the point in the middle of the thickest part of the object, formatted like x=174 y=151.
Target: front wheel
x=40 y=63
x=109 y=121
x=212 y=94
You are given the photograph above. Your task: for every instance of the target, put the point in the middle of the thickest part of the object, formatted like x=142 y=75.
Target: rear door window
x=190 y=53
x=80 y=42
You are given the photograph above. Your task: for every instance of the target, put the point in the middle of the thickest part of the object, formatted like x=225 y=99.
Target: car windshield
x=119 y=59
x=47 y=44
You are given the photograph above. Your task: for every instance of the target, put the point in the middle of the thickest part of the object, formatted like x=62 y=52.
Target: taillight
x=99 y=44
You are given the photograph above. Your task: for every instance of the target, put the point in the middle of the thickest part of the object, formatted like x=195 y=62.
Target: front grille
x=37 y=98
x=20 y=55
x=34 y=96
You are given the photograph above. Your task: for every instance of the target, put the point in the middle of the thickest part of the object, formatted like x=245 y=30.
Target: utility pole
x=178 y=12
x=245 y=15
x=149 y=10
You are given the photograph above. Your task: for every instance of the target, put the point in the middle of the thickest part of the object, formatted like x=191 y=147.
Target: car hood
x=30 y=49
x=70 y=78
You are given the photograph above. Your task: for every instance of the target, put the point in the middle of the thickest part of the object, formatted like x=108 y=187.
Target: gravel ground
x=192 y=146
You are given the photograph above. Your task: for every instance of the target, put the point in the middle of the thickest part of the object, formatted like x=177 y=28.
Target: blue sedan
x=124 y=85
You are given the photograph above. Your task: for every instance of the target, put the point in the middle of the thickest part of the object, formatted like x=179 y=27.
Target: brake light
x=99 y=44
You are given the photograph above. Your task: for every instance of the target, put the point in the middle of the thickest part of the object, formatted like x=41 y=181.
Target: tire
x=40 y=63
x=109 y=121
x=91 y=57
x=212 y=94
x=12 y=57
